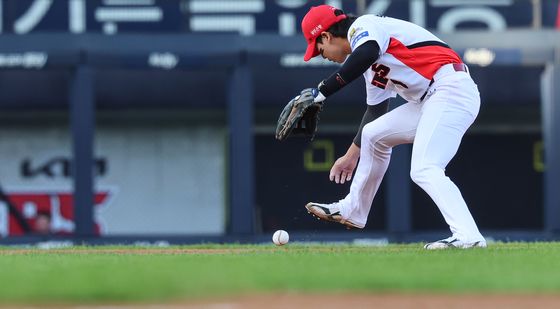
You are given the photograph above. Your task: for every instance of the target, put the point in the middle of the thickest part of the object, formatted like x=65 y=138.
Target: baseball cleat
x=329 y=212
x=453 y=242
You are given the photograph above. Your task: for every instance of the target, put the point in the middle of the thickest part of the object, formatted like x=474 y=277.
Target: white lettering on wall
x=163 y=60
x=34 y=60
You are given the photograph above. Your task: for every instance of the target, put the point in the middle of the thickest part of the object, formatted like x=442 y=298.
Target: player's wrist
x=353 y=152
x=319 y=98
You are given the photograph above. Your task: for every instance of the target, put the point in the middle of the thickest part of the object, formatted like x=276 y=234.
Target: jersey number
x=380 y=77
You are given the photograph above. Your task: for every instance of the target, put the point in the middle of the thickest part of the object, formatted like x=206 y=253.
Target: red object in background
x=558 y=16
x=59 y=205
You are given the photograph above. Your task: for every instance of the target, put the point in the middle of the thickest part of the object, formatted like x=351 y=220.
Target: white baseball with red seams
x=280 y=237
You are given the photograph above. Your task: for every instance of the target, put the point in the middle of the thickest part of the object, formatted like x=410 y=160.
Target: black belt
x=458 y=67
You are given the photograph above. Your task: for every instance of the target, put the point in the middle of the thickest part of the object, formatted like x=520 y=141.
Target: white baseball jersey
x=408 y=59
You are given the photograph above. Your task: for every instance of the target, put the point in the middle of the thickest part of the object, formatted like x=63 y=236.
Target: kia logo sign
x=56 y=167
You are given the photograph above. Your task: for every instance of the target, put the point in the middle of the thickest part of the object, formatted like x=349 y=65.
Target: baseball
x=280 y=237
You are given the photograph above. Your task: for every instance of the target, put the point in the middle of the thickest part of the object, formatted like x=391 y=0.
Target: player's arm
x=360 y=60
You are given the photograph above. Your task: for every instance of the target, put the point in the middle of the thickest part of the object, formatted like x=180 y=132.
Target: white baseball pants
x=435 y=127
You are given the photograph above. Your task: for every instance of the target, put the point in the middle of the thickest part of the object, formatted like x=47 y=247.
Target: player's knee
x=372 y=134
x=381 y=149
x=422 y=174
x=415 y=175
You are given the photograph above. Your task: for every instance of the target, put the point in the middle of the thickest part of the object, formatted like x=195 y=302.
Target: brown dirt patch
x=143 y=251
x=416 y=301
x=139 y=251
x=289 y=300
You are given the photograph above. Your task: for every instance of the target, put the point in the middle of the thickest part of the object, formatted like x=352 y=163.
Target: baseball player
x=396 y=57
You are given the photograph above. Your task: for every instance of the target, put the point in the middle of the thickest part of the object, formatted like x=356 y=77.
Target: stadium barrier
x=83 y=55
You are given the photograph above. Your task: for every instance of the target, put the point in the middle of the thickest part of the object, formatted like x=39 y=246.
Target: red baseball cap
x=318 y=19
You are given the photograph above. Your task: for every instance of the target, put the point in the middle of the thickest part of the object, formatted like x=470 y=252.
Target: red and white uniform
x=409 y=56
x=443 y=101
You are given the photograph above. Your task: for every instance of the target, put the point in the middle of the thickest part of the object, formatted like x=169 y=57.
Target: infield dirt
x=344 y=300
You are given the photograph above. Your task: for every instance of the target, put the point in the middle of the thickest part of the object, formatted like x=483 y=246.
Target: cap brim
x=310 y=52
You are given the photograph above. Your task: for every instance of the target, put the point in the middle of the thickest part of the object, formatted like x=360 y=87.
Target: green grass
x=67 y=275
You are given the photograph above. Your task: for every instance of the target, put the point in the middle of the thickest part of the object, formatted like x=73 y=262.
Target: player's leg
x=446 y=115
x=378 y=138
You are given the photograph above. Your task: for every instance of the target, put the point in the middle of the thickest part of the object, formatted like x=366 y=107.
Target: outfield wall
x=181 y=122
x=150 y=179
x=128 y=82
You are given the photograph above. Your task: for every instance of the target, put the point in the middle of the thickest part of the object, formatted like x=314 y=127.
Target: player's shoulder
x=361 y=25
x=372 y=18
x=366 y=19
x=371 y=21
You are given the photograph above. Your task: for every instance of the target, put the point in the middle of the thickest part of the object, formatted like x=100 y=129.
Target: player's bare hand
x=343 y=169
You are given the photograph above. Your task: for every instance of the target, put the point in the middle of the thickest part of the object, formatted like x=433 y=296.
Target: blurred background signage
x=248 y=17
